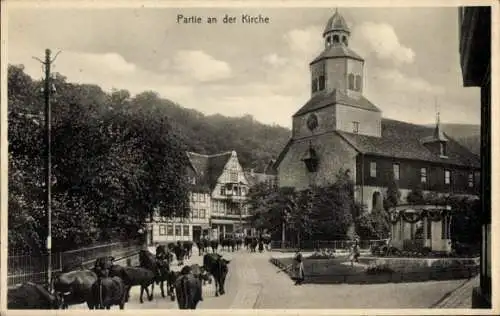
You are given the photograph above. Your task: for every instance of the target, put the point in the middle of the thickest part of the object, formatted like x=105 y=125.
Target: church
x=340 y=129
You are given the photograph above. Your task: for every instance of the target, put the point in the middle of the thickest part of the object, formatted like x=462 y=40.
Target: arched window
x=321 y=82
x=344 y=40
x=358 y=83
x=315 y=85
x=351 y=82
x=335 y=38
x=376 y=201
x=329 y=39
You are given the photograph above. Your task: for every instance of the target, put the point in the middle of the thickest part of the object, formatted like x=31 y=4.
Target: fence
x=31 y=268
x=322 y=244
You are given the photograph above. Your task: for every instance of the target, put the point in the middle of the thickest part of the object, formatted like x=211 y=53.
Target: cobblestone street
x=254 y=283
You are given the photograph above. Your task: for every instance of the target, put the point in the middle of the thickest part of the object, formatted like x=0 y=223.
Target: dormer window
x=442 y=149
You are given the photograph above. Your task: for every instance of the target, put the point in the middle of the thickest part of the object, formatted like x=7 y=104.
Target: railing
x=33 y=268
x=324 y=244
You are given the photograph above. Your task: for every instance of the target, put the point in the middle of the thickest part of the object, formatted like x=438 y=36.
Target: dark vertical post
x=48 y=162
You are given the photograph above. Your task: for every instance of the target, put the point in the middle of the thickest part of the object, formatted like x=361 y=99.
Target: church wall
x=326 y=123
x=334 y=153
x=409 y=175
x=369 y=121
x=336 y=76
x=317 y=70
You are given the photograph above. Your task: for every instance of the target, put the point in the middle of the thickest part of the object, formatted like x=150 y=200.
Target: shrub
x=379 y=269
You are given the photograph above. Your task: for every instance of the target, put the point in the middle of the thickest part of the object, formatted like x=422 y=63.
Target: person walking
x=354 y=252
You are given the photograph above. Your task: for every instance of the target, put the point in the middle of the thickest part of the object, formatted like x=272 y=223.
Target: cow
x=158 y=265
x=239 y=242
x=131 y=276
x=248 y=241
x=253 y=244
x=108 y=291
x=214 y=244
x=188 y=289
x=32 y=296
x=74 y=287
x=218 y=268
x=188 y=248
x=164 y=254
x=202 y=244
x=179 y=253
x=201 y=273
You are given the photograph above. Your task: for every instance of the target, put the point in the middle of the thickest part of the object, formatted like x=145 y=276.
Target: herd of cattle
x=108 y=284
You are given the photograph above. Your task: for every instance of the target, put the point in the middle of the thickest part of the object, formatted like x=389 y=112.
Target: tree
x=416 y=196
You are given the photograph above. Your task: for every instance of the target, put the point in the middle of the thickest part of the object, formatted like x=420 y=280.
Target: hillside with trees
x=116 y=159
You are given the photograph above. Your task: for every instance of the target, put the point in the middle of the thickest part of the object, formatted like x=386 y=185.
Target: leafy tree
x=416 y=196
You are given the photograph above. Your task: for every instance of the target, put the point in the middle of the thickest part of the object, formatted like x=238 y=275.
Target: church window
x=351 y=82
x=471 y=180
x=344 y=40
x=423 y=175
x=358 y=83
x=395 y=169
x=355 y=127
x=315 y=85
x=321 y=82
x=373 y=169
x=335 y=38
x=447 y=177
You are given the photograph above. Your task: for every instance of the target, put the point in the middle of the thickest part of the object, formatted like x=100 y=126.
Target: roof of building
x=404 y=141
x=254 y=178
x=339 y=50
x=208 y=168
x=336 y=23
x=322 y=100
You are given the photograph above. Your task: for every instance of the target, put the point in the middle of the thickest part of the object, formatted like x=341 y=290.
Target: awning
x=226 y=221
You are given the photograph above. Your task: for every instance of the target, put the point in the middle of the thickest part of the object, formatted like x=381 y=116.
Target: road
x=254 y=283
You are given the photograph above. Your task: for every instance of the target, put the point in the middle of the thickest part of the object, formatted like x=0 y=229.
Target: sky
x=411 y=57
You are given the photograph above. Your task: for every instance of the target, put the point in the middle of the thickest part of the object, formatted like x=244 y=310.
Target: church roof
x=336 y=23
x=404 y=140
x=401 y=140
x=337 y=51
x=322 y=100
x=208 y=168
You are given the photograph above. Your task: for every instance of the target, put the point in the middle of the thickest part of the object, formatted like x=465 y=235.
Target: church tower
x=337 y=81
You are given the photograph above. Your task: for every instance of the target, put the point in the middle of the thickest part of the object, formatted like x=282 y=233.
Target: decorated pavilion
x=414 y=227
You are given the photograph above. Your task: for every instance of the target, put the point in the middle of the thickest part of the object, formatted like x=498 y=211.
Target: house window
x=193 y=181
x=195 y=213
x=373 y=169
x=355 y=127
x=192 y=197
x=233 y=176
x=358 y=83
x=395 y=170
x=321 y=82
x=423 y=175
x=222 y=190
x=471 y=180
x=447 y=177
x=445 y=228
x=170 y=230
x=162 y=230
x=185 y=230
x=177 y=230
x=351 y=82
x=202 y=213
x=203 y=197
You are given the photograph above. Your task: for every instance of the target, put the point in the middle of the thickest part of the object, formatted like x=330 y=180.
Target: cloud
x=382 y=39
x=307 y=41
x=199 y=66
x=274 y=60
x=396 y=80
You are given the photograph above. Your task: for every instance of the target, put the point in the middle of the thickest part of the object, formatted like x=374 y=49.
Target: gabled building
x=340 y=129
x=221 y=179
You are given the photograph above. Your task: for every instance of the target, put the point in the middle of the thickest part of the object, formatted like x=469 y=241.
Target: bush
x=323 y=254
x=379 y=269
